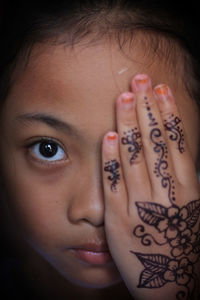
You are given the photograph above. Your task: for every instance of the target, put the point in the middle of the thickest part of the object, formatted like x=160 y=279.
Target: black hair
x=24 y=23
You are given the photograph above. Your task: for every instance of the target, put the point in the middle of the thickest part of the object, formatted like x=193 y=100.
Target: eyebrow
x=50 y=121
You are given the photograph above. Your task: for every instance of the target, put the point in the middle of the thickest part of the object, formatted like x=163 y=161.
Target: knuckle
x=128 y=123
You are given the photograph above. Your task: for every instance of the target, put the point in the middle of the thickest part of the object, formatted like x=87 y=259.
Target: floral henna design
x=180 y=229
x=182 y=244
x=112 y=166
x=173 y=223
x=179 y=271
x=160 y=270
x=133 y=138
x=176 y=132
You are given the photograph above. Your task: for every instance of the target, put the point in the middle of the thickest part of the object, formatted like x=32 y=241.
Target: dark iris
x=48 y=149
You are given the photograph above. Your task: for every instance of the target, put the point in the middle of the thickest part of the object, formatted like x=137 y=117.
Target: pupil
x=48 y=149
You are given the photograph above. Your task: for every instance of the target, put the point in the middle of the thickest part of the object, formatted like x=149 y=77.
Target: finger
x=131 y=152
x=182 y=161
x=158 y=159
x=113 y=182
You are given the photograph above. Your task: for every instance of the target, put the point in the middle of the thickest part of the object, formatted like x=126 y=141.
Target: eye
x=47 y=150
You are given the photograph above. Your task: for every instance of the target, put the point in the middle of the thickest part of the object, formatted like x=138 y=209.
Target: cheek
x=39 y=209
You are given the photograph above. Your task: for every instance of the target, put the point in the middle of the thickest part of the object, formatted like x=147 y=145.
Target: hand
x=152 y=195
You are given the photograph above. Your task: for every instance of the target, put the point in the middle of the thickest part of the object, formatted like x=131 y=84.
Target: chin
x=95 y=278
x=84 y=275
x=96 y=285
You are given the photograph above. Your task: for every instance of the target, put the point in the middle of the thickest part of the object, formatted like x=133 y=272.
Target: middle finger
x=154 y=140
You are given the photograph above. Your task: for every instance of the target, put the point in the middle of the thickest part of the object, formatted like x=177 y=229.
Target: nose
x=87 y=203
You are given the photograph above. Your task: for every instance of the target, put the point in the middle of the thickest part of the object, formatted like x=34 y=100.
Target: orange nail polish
x=142 y=82
x=127 y=100
x=112 y=138
x=162 y=91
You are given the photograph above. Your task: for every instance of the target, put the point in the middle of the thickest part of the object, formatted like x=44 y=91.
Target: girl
x=99 y=149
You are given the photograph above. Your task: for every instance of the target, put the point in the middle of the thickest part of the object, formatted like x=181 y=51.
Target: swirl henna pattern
x=176 y=227
x=133 y=138
x=161 y=165
x=176 y=132
x=112 y=166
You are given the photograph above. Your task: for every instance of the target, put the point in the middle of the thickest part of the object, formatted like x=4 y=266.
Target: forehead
x=80 y=75
x=81 y=83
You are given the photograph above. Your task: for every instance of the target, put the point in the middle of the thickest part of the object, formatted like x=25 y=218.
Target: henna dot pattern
x=132 y=138
x=150 y=115
x=112 y=167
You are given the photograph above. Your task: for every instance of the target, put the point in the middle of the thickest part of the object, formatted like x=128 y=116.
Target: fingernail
x=112 y=138
x=127 y=100
x=162 y=91
x=142 y=82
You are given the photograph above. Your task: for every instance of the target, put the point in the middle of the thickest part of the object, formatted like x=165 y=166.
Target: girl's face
x=53 y=122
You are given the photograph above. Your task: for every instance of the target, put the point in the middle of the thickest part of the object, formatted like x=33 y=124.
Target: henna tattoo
x=132 y=137
x=146 y=238
x=180 y=228
x=176 y=132
x=152 y=119
x=112 y=166
x=161 y=164
x=177 y=227
x=150 y=115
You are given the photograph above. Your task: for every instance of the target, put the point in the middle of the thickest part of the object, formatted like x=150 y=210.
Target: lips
x=93 y=254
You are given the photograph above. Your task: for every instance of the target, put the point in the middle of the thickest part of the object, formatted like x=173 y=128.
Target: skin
x=68 y=203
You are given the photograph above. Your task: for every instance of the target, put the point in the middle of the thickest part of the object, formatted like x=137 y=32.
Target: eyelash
x=35 y=151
